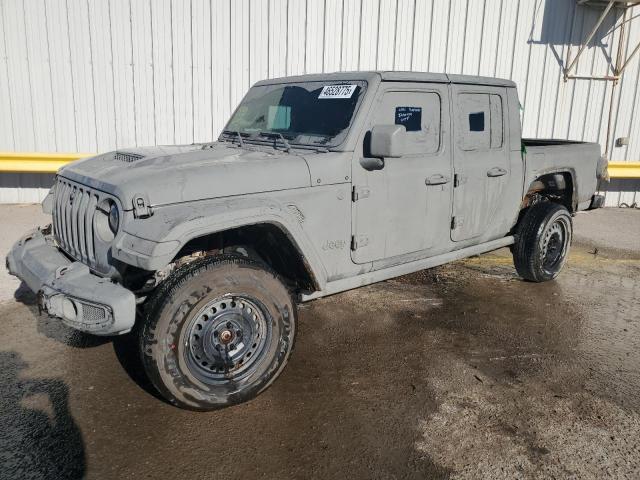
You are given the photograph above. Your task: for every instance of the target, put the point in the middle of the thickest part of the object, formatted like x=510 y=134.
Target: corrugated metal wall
x=94 y=75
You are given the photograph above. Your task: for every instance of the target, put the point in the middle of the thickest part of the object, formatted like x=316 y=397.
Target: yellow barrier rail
x=37 y=162
x=51 y=162
x=624 y=169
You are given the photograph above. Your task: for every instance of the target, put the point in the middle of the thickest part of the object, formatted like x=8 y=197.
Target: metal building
x=95 y=75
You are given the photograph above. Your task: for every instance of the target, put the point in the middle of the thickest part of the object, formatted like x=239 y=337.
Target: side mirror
x=388 y=141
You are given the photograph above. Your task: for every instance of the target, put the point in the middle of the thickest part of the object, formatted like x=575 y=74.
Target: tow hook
x=597 y=201
x=40 y=301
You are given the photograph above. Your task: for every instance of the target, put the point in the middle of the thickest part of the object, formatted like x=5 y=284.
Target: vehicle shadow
x=39 y=438
x=24 y=295
x=53 y=328
x=128 y=355
x=125 y=346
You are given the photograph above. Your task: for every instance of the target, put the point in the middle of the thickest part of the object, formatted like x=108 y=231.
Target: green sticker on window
x=279 y=117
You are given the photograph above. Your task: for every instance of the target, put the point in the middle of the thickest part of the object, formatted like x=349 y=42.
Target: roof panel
x=319 y=77
x=394 y=76
x=479 y=80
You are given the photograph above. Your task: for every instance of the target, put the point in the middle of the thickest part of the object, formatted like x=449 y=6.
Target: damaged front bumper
x=68 y=290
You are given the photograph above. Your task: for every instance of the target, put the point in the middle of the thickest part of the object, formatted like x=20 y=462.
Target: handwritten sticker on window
x=410 y=117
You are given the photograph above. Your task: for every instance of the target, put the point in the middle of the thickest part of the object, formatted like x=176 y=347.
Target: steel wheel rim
x=554 y=245
x=226 y=339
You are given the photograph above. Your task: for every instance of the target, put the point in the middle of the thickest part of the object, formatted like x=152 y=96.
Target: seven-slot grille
x=73 y=211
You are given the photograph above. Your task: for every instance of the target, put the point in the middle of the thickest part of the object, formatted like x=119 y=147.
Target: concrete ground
x=463 y=371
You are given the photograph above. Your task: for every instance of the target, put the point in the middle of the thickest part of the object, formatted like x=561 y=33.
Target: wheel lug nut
x=226 y=336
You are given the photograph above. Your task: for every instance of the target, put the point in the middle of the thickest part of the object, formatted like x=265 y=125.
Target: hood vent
x=128 y=157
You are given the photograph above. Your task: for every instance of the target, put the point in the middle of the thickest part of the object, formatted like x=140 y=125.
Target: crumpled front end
x=80 y=223
x=68 y=289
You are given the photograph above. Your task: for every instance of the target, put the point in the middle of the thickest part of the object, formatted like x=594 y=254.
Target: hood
x=183 y=173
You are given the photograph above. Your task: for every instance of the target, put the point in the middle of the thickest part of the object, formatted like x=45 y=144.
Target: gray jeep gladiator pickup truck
x=318 y=184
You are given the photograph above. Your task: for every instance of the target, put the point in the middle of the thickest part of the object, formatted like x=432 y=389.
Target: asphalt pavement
x=463 y=371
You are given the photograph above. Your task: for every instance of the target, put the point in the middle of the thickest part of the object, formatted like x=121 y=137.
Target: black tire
x=543 y=238
x=217 y=332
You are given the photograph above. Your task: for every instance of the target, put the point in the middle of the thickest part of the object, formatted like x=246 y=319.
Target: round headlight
x=114 y=218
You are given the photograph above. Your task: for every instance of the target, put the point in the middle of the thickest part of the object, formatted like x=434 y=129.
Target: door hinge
x=456 y=222
x=458 y=180
x=359 y=241
x=359 y=193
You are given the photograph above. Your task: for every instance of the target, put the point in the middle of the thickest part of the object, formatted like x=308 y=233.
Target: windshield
x=309 y=113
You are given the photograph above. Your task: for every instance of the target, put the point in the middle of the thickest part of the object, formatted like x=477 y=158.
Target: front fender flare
x=153 y=243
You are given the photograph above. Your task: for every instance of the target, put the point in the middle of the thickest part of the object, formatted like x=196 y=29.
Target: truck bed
x=582 y=160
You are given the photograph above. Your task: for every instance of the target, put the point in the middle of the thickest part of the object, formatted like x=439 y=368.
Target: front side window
x=419 y=112
x=306 y=113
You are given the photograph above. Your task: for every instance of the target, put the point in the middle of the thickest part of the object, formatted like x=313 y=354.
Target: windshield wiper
x=235 y=133
x=275 y=136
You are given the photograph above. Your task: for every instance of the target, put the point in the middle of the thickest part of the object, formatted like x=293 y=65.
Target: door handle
x=496 y=172
x=437 y=179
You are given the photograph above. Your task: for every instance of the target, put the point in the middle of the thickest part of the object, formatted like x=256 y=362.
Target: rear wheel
x=542 y=242
x=217 y=333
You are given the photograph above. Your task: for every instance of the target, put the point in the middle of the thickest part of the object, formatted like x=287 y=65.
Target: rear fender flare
x=553 y=171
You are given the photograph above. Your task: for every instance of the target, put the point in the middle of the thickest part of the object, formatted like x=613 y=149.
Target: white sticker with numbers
x=337 y=91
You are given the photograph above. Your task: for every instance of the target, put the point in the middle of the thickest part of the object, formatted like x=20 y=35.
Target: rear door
x=481 y=161
x=404 y=207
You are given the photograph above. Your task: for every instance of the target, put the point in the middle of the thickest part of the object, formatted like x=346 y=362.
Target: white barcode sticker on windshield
x=337 y=91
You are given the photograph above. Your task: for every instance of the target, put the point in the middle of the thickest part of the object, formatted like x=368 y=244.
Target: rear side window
x=480 y=124
x=497 y=135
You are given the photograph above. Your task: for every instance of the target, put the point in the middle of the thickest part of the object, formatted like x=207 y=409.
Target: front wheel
x=218 y=332
x=542 y=242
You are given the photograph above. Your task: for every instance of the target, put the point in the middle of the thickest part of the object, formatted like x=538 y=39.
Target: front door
x=403 y=205
x=481 y=161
